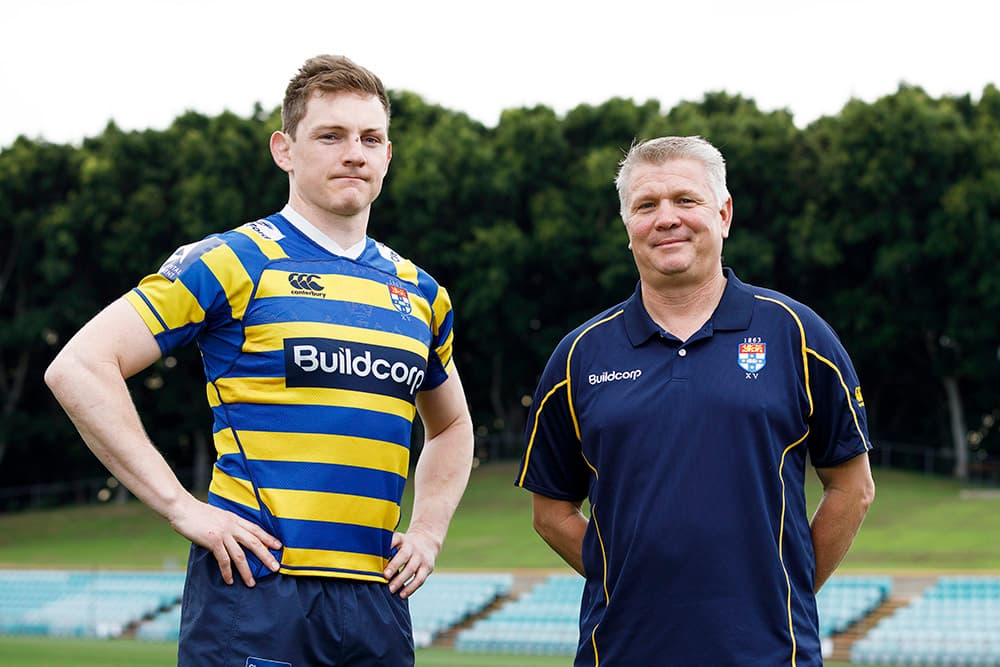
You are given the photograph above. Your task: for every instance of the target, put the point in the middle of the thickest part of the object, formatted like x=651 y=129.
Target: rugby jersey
x=692 y=454
x=313 y=362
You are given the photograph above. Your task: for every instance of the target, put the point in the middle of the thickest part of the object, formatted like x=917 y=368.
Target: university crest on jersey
x=400 y=299
x=752 y=356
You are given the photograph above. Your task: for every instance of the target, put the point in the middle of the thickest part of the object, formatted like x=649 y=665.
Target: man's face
x=339 y=156
x=675 y=226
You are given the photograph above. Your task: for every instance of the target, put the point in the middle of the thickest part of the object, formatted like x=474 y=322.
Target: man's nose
x=354 y=152
x=667 y=215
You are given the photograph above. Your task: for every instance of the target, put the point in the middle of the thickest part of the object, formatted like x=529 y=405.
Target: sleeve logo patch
x=185 y=256
x=265 y=229
x=388 y=253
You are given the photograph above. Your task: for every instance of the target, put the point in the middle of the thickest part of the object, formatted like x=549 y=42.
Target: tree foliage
x=883 y=218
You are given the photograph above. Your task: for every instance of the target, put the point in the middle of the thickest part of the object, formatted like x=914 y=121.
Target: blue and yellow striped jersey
x=313 y=362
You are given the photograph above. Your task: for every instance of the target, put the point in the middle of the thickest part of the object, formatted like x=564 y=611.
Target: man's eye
x=373 y=140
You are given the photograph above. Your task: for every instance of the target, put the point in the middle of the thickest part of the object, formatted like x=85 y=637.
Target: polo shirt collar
x=733 y=313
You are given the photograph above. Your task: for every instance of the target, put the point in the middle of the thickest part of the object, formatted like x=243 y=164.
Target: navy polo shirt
x=693 y=457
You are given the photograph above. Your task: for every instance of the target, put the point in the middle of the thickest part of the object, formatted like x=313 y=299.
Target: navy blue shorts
x=287 y=621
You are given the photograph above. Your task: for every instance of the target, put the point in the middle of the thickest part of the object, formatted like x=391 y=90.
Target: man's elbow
x=546 y=525
x=866 y=496
x=57 y=374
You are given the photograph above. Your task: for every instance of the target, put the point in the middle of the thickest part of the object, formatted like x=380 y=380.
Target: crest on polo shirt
x=400 y=299
x=752 y=356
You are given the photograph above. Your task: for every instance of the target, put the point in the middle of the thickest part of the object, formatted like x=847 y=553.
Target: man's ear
x=281 y=149
x=726 y=213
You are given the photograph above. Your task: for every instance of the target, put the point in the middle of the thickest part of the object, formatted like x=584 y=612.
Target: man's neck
x=682 y=309
x=345 y=231
x=335 y=244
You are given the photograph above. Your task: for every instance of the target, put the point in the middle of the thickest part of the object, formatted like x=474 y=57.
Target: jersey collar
x=310 y=231
x=733 y=313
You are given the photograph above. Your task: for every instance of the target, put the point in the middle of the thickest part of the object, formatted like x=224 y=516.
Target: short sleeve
x=553 y=464
x=440 y=363
x=182 y=298
x=839 y=424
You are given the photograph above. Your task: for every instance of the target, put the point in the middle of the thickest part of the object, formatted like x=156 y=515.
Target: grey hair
x=664 y=149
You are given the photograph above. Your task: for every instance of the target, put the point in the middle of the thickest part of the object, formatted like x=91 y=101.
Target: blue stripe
x=328 y=536
x=328 y=477
x=259 y=364
x=309 y=568
x=304 y=309
x=239 y=510
x=250 y=256
x=207 y=289
x=233 y=465
x=151 y=308
x=322 y=419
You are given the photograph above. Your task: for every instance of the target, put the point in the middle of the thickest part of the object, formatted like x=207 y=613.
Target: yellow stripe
x=337 y=287
x=235 y=280
x=781 y=541
x=847 y=393
x=441 y=307
x=345 y=560
x=225 y=442
x=320 y=448
x=593 y=641
x=233 y=489
x=604 y=555
x=569 y=357
x=333 y=574
x=270 y=337
x=802 y=338
x=534 y=429
x=270 y=249
x=213 y=395
x=781 y=468
x=406 y=270
x=147 y=315
x=183 y=307
x=331 y=507
x=272 y=391
x=444 y=351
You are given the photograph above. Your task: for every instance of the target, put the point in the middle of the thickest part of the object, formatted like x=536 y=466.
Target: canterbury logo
x=305 y=281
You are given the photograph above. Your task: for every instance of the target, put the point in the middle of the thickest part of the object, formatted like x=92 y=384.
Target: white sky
x=67 y=67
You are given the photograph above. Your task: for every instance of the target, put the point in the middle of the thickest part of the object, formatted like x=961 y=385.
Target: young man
x=685 y=415
x=320 y=345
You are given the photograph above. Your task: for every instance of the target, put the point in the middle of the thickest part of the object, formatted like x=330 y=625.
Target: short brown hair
x=329 y=74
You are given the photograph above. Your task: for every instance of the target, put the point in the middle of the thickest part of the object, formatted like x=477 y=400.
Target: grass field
x=917 y=525
x=34 y=652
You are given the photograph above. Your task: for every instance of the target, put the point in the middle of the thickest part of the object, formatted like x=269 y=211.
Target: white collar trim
x=319 y=238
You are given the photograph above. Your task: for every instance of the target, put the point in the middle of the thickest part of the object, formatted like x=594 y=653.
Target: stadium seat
x=955 y=622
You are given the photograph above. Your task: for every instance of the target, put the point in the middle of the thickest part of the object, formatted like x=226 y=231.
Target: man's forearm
x=834 y=527
x=96 y=399
x=440 y=479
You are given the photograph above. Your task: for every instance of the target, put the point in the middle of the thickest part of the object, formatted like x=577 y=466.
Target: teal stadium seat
x=82 y=604
x=544 y=621
x=955 y=622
